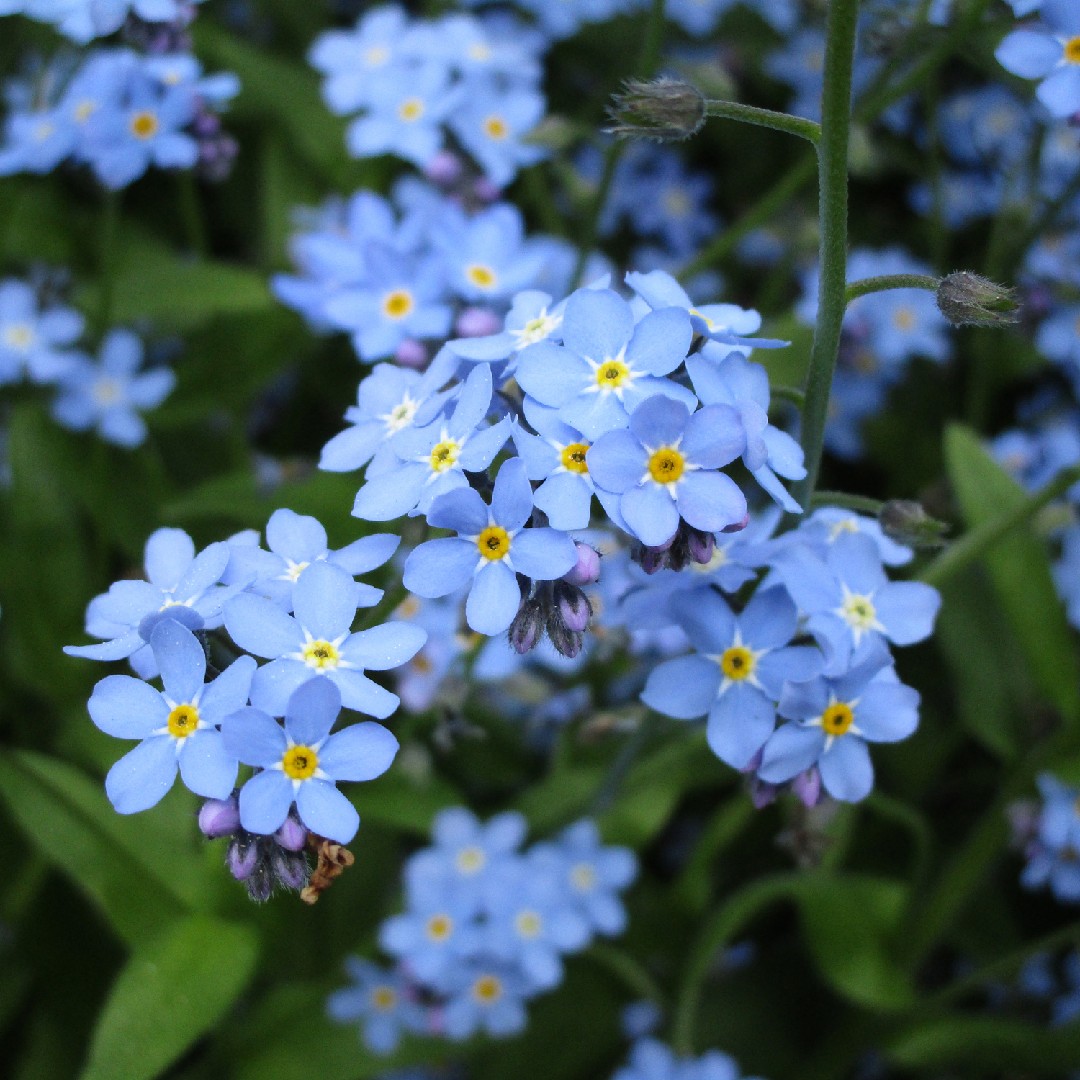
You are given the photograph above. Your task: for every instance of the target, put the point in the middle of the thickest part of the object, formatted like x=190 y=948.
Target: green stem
x=621 y=766
x=975 y=543
x=768 y=118
x=764 y=210
x=627 y=970
x=109 y=227
x=789 y=393
x=725 y=923
x=833 y=211
x=862 y=504
x=891 y=281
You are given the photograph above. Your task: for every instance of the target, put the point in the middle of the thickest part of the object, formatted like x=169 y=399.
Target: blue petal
x=709 y=501
x=259 y=626
x=273 y=684
x=543 y=554
x=439 y=567
x=493 y=600
x=684 y=688
x=511 y=499
x=617 y=461
x=127 y=708
x=739 y=724
x=326 y=812
x=324 y=601
x=360 y=752
x=661 y=341
x=362 y=694
x=142 y=776
x=846 y=769
x=659 y=421
x=769 y=619
x=1029 y=54
x=264 y=802
x=597 y=323
x=391 y=494
x=311 y=711
x=180 y=659
x=907 y=610
x=714 y=436
x=887 y=712
x=462 y=510
x=388 y=645
x=566 y=498
x=650 y=512
x=167 y=555
x=790 y=750
x=551 y=374
x=253 y=737
x=228 y=692
x=206 y=767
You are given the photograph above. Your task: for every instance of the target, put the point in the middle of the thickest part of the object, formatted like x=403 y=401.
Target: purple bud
x=652 y=559
x=444 y=169
x=477 y=322
x=527 y=627
x=411 y=354
x=762 y=794
x=242 y=858
x=587 y=568
x=292 y=835
x=738 y=526
x=219 y=817
x=700 y=545
x=573 y=606
x=485 y=191
x=807 y=786
x=290 y=869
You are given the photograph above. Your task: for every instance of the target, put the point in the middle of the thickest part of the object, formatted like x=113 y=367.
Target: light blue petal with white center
x=326 y=812
x=804 y=700
x=593 y=414
x=206 y=767
x=846 y=769
x=142 y=776
x=493 y=600
x=259 y=626
x=767 y=479
x=253 y=737
x=388 y=645
x=790 y=750
x=365 y=554
x=480 y=450
x=1029 y=54
x=855 y=560
x=362 y=694
x=311 y=711
x=439 y=567
x=706 y=618
x=1060 y=91
x=391 y=494
x=117 y=649
x=127 y=708
x=264 y=802
x=359 y=752
x=543 y=554
x=650 y=512
x=206 y=570
x=324 y=600
x=180 y=659
x=511 y=498
x=739 y=723
x=709 y=501
x=684 y=688
x=799 y=663
x=769 y=619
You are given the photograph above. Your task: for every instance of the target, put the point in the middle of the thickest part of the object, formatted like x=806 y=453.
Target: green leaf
x=850 y=924
x=992 y=1045
x=172 y=991
x=1019 y=568
x=133 y=868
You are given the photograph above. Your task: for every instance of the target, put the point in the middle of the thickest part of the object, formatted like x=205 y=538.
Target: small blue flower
x=34 y=341
x=178 y=726
x=1049 y=51
x=483 y=994
x=835 y=718
x=318 y=642
x=382 y=1001
x=492 y=547
x=491 y=125
x=1053 y=853
x=665 y=466
x=303 y=763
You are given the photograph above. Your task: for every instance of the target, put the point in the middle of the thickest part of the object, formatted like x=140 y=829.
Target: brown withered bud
x=333 y=859
x=663 y=109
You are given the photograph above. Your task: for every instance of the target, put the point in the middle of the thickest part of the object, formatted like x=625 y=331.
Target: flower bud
x=907 y=522
x=477 y=322
x=242 y=857
x=737 y=526
x=663 y=109
x=572 y=605
x=219 y=817
x=290 y=869
x=968 y=299
x=444 y=169
x=292 y=836
x=411 y=354
x=528 y=626
x=700 y=545
x=807 y=786
x=587 y=568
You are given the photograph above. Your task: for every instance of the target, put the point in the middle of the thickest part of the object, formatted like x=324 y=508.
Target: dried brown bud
x=663 y=109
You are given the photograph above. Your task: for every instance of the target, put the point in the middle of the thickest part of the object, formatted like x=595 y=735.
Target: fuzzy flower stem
x=974 y=544
x=832 y=214
x=890 y=281
x=778 y=121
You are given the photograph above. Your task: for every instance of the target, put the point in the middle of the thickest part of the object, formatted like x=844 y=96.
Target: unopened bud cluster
x=558 y=608
x=968 y=299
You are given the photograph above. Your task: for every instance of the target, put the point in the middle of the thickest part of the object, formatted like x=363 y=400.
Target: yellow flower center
x=321 y=655
x=183 y=721
x=439 y=927
x=583 y=877
x=495 y=127
x=19 y=336
x=666 y=465
x=611 y=374
x=903 y=319
x=411 y=110
x=537 y=329
x=397 y=304
x=470 y=860
x=84 y=110
x=1072 y=50
x=483 y=277
x=859 y=612
x=383 y=998
x=573 y=457
x=106 y=391
x=493 y=542
x=837 y=718
x=528 y=924
x=737 y=663
x=487 y=989
x=294 y=570
x=144 y=125
x=443 y=455
x=299 y=762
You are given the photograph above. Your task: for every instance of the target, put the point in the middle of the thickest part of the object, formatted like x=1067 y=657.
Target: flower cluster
x=83 y=20
x=38 y=339
x=293 y=605
x=485 y=928
x=419 y=83
x=652 y=1060
x=119 y=112
x=1051 y=840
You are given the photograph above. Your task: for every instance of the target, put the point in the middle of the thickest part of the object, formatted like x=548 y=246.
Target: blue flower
x=108 y=395
x=34 y=341
x=531 y=319
x=318 y=642
x=1053 y=853
x=1049 y=51
x=383 y=1002
x=303 y=763
x=178 y=726
x=492 y=547
x=835 y=718
x=606 y=365
x=665 y=466
x=737 y=673
x=652 y=1060
x=482 y=994
x=491 y=124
